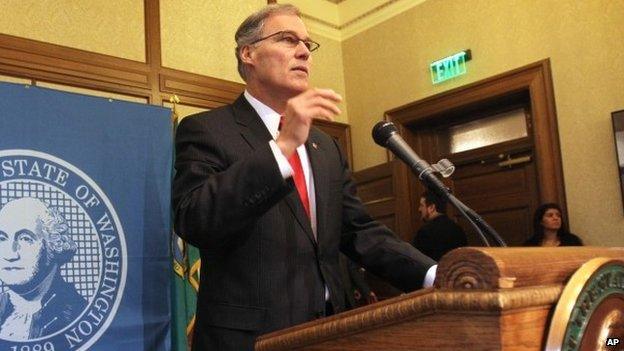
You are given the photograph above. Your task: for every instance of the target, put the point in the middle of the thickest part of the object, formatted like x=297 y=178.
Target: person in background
x=550 y=229
x=439 y=234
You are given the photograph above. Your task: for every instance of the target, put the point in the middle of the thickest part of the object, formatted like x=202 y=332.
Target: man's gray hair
x=54 y=231
x=251 y=29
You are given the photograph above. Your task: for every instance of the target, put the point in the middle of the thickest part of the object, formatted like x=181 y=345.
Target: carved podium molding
x=483 y=299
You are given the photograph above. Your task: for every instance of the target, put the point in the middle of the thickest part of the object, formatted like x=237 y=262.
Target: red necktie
x=299 y=177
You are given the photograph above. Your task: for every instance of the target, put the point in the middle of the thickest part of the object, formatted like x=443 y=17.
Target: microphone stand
x=387 y=135
x=429 y=179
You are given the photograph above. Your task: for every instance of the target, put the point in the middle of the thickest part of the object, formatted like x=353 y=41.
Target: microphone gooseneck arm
x=386 y=134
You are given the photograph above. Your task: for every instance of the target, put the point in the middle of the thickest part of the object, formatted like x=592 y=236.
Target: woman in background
x=549 y=228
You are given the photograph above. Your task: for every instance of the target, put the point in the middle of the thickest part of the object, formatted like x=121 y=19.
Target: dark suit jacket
x=439 y=236
x=262 y=269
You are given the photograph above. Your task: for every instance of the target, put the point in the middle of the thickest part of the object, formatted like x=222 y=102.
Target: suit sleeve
x=358 y=279
x=217 y=198
x=376 y=247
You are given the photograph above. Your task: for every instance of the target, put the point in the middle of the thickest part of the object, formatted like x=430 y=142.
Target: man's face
x=426 y=211
x=22 y=251
x=275 y=65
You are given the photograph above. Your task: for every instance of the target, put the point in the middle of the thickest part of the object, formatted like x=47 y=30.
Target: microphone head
x=382 y=131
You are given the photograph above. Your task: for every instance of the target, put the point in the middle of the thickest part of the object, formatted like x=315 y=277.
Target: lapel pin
x=315 y=146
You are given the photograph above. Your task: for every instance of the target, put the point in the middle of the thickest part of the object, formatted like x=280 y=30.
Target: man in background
x=439 y=234
x=269 y=201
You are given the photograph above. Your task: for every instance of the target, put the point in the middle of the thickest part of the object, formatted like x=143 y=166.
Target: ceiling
x=342 y=19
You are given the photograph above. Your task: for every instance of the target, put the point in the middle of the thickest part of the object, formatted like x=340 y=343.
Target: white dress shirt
x=271 y=120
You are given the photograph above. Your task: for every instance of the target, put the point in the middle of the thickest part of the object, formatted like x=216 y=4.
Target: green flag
x=186 y=265
x=185 y=282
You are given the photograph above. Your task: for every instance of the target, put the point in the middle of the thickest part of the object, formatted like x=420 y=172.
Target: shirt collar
x=269 y=117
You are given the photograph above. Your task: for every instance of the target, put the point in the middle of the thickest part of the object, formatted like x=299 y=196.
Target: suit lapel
x=321 y=187
x=294 y=203
x=256 y=134
x=252 y=128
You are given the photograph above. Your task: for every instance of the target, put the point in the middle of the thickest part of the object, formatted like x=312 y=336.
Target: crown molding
x=374 y=16
x=344 y=19
x=322 y=28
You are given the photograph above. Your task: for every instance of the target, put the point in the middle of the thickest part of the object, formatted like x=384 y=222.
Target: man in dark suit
x=270 y=204
x=439 y=234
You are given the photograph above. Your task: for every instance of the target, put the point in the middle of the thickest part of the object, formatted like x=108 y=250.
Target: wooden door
x=499 y=183
x=489 y=179
x=496 y=179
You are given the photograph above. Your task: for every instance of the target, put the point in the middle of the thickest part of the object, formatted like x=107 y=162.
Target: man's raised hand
x=298 y=115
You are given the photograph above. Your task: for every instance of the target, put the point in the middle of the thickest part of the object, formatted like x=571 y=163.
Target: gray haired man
x=269 y=199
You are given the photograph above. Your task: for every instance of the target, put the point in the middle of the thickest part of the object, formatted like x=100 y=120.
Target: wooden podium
x=483 y=299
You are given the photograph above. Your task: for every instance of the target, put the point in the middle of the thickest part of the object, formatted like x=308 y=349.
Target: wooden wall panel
x=382 y=191
x=38 y=61
x=339 y=131
x=57 y=64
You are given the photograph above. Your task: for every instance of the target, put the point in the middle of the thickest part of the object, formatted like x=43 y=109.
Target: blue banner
x=84 y=222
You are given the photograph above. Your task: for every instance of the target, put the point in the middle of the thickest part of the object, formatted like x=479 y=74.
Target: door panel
x=426 y=126
x=499 y=182
x=505 y=196
x=512 y=224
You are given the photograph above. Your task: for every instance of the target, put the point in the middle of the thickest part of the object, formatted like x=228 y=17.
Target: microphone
x=386 y=135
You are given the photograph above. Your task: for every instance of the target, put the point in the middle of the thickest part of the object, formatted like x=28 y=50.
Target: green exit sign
x=449 y=67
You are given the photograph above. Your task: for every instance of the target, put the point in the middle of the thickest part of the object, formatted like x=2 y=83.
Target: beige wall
x=198 y=35
x=327 y=70
x=184 y=110
x=10 y=79
x=386 y=66
x=112 y=27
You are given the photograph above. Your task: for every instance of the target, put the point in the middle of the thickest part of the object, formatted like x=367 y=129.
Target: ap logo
x=62 y=255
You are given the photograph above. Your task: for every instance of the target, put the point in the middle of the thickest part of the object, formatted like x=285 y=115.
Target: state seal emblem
x=63 y=258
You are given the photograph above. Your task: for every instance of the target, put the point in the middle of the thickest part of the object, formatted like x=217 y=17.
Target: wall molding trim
x=352 y=17
x=39 y=62
x=45 y=62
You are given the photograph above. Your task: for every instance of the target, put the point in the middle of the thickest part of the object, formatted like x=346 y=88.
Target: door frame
x=534 y=79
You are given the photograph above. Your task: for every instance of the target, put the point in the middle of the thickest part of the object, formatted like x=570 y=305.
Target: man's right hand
x=298 y=115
